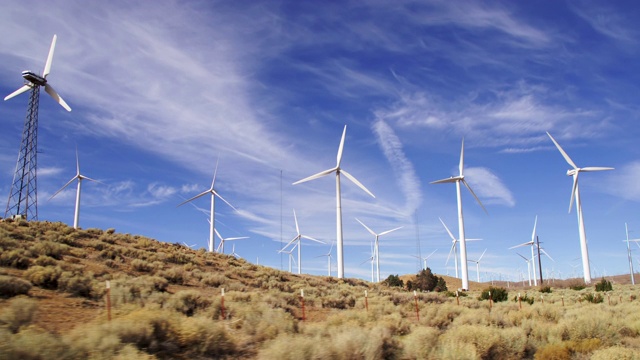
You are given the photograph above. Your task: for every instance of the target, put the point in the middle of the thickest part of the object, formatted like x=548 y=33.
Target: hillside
x=165 y=302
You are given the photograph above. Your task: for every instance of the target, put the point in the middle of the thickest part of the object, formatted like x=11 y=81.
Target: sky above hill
x=160 y=92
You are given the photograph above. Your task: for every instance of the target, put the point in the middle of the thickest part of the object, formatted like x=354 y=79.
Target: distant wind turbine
x=463 y=242
x=528 y=267
x=213 y=193
x=298 y=240
x=79 y=177
x=371 y=259
x=478 y=264
x=454 y=247
x=424 y=259
x=626 y=228
x=575 y=193
x=531 y=243
x=291 y=257
x=220 y=248
x=377 y=246
x=329 y=256
x=234 y=253
x=338 y=170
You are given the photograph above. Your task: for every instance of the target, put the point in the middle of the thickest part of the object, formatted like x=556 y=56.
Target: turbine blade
x=290 y=242
x=339 y=157
x=295 y=218
x=525 y=259
x=573 y=189
x=595 y=168
x=549 y=256
x=22 y=89
x=47 y=65
x=523 y=244
x=318 y=175
x=236 y=238
x=193 y=198
x=447 y=180
x=480 y=258
x=533 y=235
x=355 y=181
x=453 y=247
x=564 y=154
x=388 y=231
x=366 y=227
x=219 y=246
x=474 y=195
x=215 y=172
x=77 y=162
x=62 y=188
x=434 y=251
x=217 y=233
x=450 y=234
x=461 y=166
x=215 y=193
x=49 y=89
x=312 y=239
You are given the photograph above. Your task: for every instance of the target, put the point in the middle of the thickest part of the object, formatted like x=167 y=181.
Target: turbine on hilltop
x=23 y=196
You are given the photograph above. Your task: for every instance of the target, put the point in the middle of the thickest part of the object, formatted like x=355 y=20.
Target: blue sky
x=160 y=92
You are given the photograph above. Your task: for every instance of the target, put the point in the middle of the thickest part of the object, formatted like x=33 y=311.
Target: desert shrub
x=141 y=265
x=110 y=231
x=497 y=294
x=31 y=344
x=175 y=275
x=44 y=260
x=213 y=280
x=188 y=302
x=16 y=258
x=44 y=276
x=49 y=248
x=139 y=289
x=338 y=301
x=11 y=286
x=595 y=299
x=204 y=337
x=604 y=285
x=77 y=284
x=427 y=281
x=553 y=351
x=154 y=331
x=615 y=352
x=524 y=299
x=421 y=343
x=545 y=289
x=577 y=286
x=393 y=280
x=19 y=313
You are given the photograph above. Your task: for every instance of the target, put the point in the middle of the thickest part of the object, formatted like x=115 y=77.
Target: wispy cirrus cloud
x=489 y=187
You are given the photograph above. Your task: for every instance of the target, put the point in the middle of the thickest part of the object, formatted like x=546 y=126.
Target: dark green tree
x=394 y=280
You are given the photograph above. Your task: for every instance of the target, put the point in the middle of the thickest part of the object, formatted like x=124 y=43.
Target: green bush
x=393 y=280
x=11 y=286
x=595 y=299
x=77 y=284
x=604 y=285
x=546 y=289
x=498 y=294
x=525 y=298
x=16 y=258
x=188 y=302
x=44 y=276
x=20 y=312
x=577 y=286
x=427 y=281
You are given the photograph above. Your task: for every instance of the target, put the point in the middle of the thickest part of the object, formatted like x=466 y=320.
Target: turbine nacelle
x=34 y=78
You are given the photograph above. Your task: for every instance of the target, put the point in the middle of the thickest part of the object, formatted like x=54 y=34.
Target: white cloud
x=488 y=186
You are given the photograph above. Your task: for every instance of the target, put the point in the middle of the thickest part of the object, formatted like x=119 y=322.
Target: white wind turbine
x=376 y=246
x=298 y=240
x=220 y=248
x=575 y=193
x=424 y=259
x=454 y=247
x=329 y=256
x=531 y=243
x=463 y=243
x=528 y=267
x=234 y=253
x=478 y=265
x=291 y=257
x=213 y=193
x=338 y=170
x=79 y=177
x=371 y=259
x=633 y=281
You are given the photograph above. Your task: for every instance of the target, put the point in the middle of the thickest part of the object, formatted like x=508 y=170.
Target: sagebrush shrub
x=11 y=286
x=497 y=294
x=604 y=285
x=44 y=276
x=19 y=313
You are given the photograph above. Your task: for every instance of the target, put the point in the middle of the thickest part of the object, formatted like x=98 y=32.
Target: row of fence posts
x=366 y=301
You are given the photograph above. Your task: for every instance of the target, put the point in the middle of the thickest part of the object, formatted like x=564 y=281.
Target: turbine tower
x=23 y=196
x=376 y=251
x=298 y=240
x=478 y=265
x=575 y=193
x=212 y=218
x=531 y=243
x=79 y=177
x=338 y=171
x=463 y=242
x=626 y=228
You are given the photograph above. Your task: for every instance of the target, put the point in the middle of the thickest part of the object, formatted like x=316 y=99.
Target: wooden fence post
x=366 y=301
x=302 y=303
x=108 y=300
x=519 y=302
x=415 y=299
x=222 y=304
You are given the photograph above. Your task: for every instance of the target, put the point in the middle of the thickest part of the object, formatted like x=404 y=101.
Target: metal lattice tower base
x=23 y=197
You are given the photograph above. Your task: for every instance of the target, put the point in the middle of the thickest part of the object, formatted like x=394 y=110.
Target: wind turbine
x=338 y=170
x=528 y=267
x=23 y=199
x=328 y=255
x=377 y=245
x=633 y=281
x=79 y=177
x=454 y=248
x=478 y=264
x=234 y=253
x=532 y=244
x=298 y=240
x=575 y=193
x=463 y=243
x=291 y=257
x=424 y=259
x=220 y=248
x=371 y=259
x=213 y=193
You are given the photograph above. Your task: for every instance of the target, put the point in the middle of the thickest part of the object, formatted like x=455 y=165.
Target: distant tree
x=441 y=285
x=497 y=294
x=427 y=281
x=394 y=280
x=604 y=285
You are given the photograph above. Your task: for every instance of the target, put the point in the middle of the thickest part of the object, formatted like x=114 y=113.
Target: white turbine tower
x=478 y=264
x=338 y=170
x=463 y=243
x=528 y=267
x=329 y=256
x=213 y=193
x=298 y=240
x=531 y=243
x=376 y=246
x=454 y=247
x=79 y=177
x=220 y=248
x=633 y=281
x=575 y=193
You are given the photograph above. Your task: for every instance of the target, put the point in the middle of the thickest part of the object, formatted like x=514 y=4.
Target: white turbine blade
x=22 y=89
x=564 y=154
x=461 y=166
x=549 y=256
x=368 y=259
x=219 y=246
x=339 y=157
x=474 y=195
x=47 y=65
x=533 y=235
x=388 y=231
x=573 y=189
x=355 y=181
x=528 y=243
x=366 y=227
x=434 y=251
x=290 y=242
x=193 y=198
x=312 y=239
x=225 y=201
x=595 y=168
x=295 y=218
x=49 y=89
x=480 y=258
x=236 y=238
x=219 y=236
x=318 y=175
x=525 y=259
x=447 y=180
x=472 y=239
x=450 y=234
x=453 y=247
x=62 y=188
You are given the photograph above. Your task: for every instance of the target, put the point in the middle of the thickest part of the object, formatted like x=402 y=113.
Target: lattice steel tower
x=23 y=196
